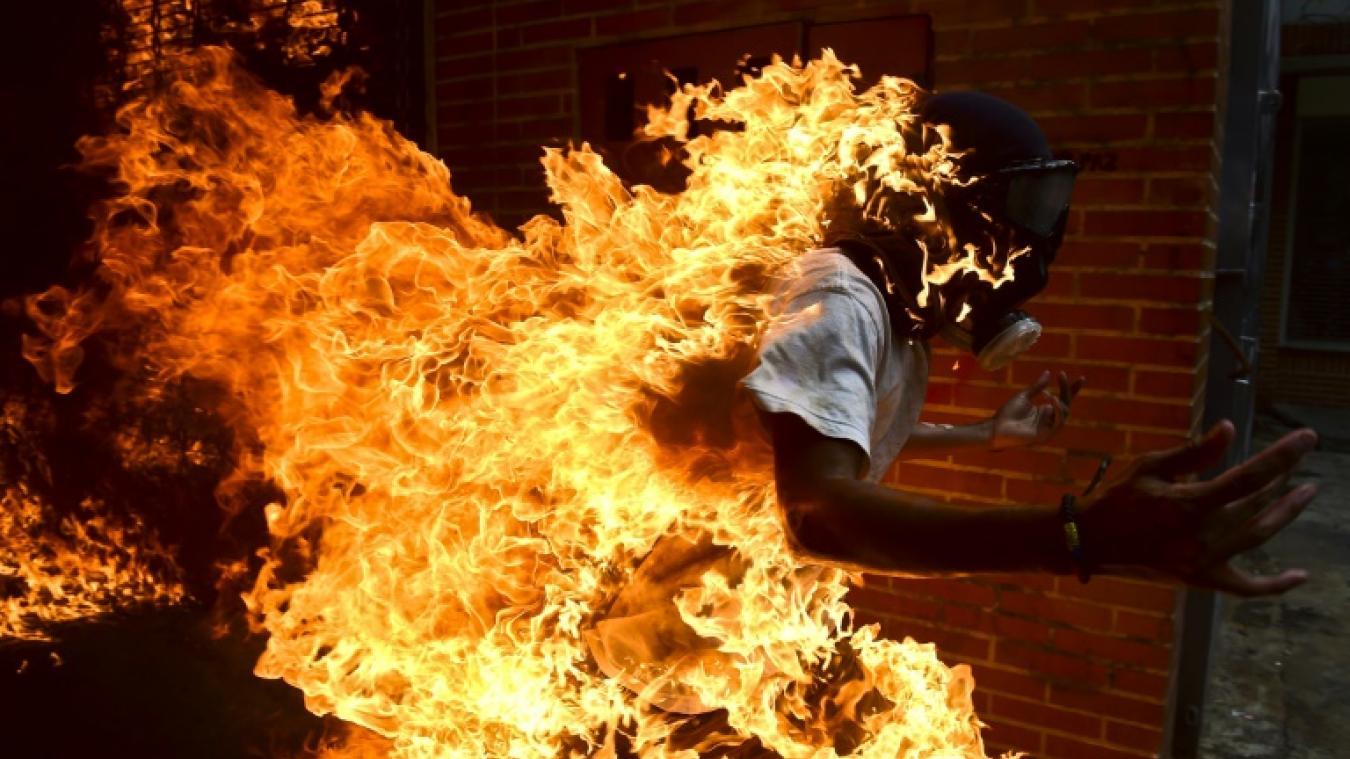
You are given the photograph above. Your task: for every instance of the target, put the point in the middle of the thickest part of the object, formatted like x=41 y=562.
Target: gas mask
x=1023 y=206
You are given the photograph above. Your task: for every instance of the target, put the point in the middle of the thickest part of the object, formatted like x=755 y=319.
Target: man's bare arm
x=927 y=437
x=1152 y=520
x=1031 y=416
x=833 y=517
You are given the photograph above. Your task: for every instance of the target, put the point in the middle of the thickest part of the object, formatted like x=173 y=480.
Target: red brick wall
x=1128 y=87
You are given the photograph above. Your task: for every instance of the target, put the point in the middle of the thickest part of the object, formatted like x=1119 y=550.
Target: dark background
x=62 y=67
x=143 y=683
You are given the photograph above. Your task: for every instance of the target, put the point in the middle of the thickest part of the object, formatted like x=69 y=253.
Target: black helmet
x=1018 y=199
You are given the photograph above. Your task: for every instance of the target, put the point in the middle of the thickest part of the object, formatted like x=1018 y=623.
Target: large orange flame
x=473 y=430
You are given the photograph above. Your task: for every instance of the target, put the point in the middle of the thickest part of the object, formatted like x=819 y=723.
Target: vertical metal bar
x=1244 y=184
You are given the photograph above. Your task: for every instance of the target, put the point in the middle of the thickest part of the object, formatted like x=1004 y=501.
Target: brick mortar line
x=1133 y=667
x=515 y=96
x=1130 y=43
x=1134 y=332
x=1114 y=427
x=1117 y=303
x=1142 y=206
x=593 y=39
x=1060 y=731
x=1053 y=680
x=1199 y=239
x=589 y=16
x=1152 y=75
x=1069 y=300
x=1086 y=46
x=981 y=500
x=996 y=472
x=1102 y=742
x=930 y=623
x=1047 y=728
x=1107 y=12
x=1081 y=238
x=602 y=13
x=1071 y=653
x=1049 y=594
x=1161 y=174
x=1137 y=238
x=1077 y=15
x=1167 y=400
x=996 y=384
x=513 y=72
x=1023 y=22
x=1110 y=395
x=1007 y=474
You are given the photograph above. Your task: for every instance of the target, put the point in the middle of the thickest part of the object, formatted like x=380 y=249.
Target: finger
x=1047 y=419
x=1065 y=390
x=1060 y=409
x=1195 y=456
x=1266 y=524
x=1243 y=509
x=1233 y=580
x=1253 y=474
x=1039 y=385
x=1077 y=387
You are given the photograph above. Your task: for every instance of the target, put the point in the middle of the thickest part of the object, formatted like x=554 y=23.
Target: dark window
x=1317 y=305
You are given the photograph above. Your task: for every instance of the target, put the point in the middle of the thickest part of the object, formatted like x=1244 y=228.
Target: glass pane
x=1319 y=275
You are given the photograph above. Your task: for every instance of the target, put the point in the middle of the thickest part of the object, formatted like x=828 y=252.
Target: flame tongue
x=463 y=422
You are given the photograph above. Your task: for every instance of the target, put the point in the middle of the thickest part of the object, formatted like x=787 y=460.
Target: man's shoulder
x=828 y=270
x=824 y=269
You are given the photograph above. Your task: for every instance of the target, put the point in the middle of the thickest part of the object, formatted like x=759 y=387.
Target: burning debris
x=57 y=568
x=477 y=437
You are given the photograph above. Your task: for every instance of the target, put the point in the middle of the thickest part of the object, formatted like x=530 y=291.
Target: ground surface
x=1280 y=680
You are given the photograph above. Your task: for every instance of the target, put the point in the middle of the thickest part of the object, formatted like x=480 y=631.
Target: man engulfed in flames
x=526 y=510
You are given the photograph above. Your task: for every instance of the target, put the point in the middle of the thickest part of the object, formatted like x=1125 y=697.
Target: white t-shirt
x=834 y=362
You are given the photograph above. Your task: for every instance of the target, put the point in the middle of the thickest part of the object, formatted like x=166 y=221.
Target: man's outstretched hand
x=1152 y=521
x=1035 y=414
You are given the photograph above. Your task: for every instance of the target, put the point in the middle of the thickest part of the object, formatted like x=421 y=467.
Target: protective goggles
x=1033 y=194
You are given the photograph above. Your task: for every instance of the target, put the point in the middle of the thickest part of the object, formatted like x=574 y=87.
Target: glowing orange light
x=461 y=419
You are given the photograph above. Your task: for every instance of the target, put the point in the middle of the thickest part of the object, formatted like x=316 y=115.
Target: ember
x=471 y=429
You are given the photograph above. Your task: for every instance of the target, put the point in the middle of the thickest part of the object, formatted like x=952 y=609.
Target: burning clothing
x=832 y=360
x=470 y=440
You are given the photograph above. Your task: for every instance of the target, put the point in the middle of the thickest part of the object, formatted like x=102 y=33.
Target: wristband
x=1073 y=536
x=1073 y=540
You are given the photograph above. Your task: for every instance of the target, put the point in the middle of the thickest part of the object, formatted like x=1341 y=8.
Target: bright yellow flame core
x=457 y=417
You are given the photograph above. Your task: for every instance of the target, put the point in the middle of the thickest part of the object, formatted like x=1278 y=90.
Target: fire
x=58 y=568
x=480 y=435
